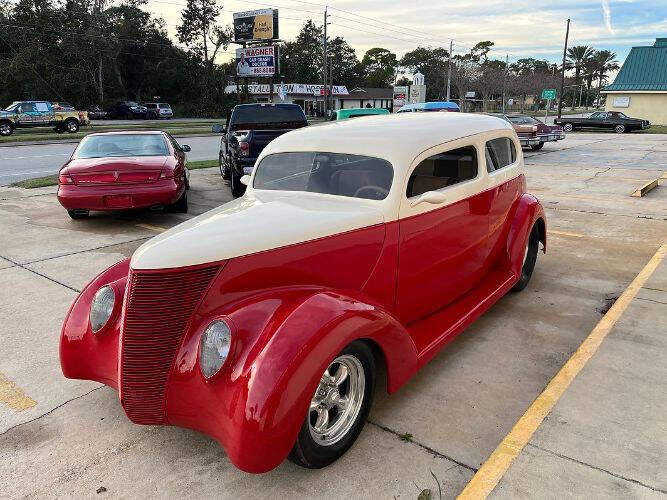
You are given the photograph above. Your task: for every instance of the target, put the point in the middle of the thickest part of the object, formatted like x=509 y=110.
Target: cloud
x=606 y=12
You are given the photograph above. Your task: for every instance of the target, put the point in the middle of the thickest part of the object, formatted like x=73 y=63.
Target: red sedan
x=124 y=170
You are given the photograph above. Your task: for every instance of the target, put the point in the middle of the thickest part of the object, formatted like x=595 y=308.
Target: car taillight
x=167 y=174
x=65 y=179
x=244 y=147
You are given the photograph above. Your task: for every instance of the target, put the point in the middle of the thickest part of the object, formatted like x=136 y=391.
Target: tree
x=379 y=66
x=344 y=66
x=200 y=32
x=577 y=57
x=432 y=63
x=604 y=61
x=301 y=60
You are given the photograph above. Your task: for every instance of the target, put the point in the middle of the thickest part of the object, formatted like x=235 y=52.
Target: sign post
x=548 y=95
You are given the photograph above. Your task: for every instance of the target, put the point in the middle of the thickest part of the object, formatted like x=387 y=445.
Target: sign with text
x=621 y=101
x=548 y=94
x=299 y=89
x=400 y=96
x=259 y=24
x=256 y=61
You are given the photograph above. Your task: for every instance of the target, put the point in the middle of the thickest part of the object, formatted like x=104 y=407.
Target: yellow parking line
x=565 y=233
x=495 y=467
x=13 y=396
x=157 y=229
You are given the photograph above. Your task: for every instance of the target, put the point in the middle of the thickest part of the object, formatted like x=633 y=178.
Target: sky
x=519 y=28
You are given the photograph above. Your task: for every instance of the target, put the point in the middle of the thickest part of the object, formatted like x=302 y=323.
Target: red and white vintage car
x=358 y=243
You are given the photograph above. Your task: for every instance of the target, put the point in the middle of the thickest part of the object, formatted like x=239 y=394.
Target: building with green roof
x=640 y=88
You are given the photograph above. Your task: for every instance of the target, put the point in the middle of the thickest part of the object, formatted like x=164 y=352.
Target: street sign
x=548 y=94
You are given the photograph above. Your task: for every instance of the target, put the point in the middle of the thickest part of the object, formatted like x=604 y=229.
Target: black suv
x=248 y=129
x=126 y=110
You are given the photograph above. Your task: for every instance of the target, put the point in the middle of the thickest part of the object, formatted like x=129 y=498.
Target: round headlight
x=102 y=308
x=214 y=348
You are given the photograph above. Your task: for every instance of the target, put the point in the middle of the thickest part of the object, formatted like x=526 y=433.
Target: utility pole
x=449 y=69
x=324 y=67
x=562 y=76
x=507 y=68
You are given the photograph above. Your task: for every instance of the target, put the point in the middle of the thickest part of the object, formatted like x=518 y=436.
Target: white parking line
x=28 y=157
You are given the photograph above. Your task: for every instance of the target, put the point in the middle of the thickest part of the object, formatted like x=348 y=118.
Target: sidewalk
x=607 y=435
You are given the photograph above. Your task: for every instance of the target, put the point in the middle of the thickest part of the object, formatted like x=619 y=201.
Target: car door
x=26 y=114
x=597 y=120
x=43 y=113
x=504 y=185
x=443 y=241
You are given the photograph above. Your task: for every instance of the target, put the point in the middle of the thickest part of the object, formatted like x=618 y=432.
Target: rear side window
x=443 y=170
x=499 y=153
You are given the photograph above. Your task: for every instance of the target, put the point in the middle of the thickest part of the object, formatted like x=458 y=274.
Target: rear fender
x=528 y=212
x=282 y=343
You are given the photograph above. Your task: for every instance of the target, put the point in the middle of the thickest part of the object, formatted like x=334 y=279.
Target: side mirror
x=245 y=180
x=186 y=148
x=218 y=129
x=433 y=197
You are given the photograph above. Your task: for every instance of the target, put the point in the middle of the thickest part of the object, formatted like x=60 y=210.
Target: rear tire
x=181 y=206
x=568 y=127
x=238 y=189
x=530 y=257
x=344 y=422
x=71 y=126
x=619 y=129
x=537 y=147
x=78 y=214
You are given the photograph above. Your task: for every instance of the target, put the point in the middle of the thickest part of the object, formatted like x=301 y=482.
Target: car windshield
x=524 y=120
x=337 y=174
x=267 y=117
x=131 y=104
x=164 y=105
x=99 y=146
x=12 y=106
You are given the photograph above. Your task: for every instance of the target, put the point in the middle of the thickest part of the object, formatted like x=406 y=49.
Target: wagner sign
x=256 y=61
x=256 y=25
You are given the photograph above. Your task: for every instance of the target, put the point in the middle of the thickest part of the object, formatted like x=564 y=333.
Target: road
x=24 y=162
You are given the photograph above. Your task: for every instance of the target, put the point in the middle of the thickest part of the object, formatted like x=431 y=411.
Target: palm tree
x=605 y=60
x=577 y=58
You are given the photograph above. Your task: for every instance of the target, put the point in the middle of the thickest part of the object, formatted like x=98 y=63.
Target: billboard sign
x=257 y=61
x=252 y=25
x=400 y=96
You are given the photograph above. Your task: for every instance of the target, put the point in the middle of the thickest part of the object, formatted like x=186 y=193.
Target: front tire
x=537 y=147
x=224 y=171
x=238 y=189
x=338 y=410
x=568 y=127
x=529 y=259
x=6 y=129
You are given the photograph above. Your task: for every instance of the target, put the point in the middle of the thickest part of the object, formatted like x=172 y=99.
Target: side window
x=499 y=153
x=443 y=170
x=27 y=107
x=174 y=143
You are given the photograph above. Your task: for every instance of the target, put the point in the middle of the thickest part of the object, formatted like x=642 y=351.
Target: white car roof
x=397 y=138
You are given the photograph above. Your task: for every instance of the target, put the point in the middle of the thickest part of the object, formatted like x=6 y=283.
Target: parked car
x=126 y=110
x=157 y=110
x=62 y=106
x=248 y=129
x=543 y=132
x=605 y=120
x=261 y=323
x=430 y=106
x=30 y=114
x=345 y=114
x=124 y=170
x=527 y=132
x=96 y=113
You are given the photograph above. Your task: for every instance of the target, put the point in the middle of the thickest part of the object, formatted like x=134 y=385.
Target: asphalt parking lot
x=605 y=437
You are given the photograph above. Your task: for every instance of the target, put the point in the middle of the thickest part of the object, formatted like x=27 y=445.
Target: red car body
x=405 y=286
x=123 y=182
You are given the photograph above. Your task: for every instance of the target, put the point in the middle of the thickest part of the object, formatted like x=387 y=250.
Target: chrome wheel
x=337 y=400
x=5 y=129
x=568 y=127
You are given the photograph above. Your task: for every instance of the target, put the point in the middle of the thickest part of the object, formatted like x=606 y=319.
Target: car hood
x=92 y=165
x=254 y=223
x=5 y=114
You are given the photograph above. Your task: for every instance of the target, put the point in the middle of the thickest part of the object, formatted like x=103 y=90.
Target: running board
x=455 y=317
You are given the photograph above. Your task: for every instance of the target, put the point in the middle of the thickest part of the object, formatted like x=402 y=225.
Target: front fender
x=84 y=355
x=528 y=212
x=282 y=343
